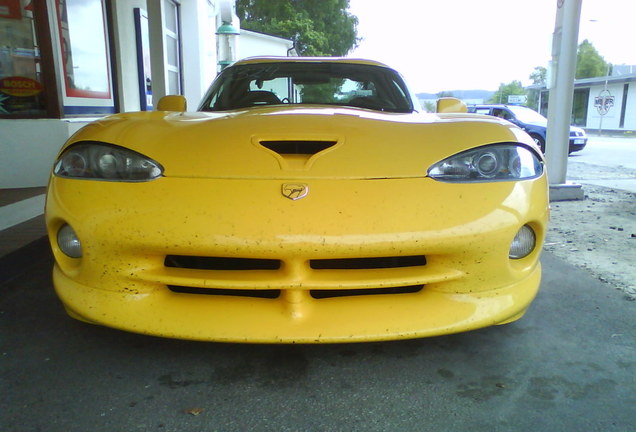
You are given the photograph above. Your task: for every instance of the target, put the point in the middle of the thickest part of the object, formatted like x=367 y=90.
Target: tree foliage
x=589 y=63
x=538 y=76
x=429 y=106
x=505 y=90
x=317 y=27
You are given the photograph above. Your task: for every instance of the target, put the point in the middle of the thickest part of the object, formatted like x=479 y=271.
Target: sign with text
x=517 y=99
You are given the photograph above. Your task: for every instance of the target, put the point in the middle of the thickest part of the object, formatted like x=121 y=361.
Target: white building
x=602 y=103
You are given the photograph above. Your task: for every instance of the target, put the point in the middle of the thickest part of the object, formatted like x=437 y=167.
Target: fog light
x=68 y=242
x=523 y=243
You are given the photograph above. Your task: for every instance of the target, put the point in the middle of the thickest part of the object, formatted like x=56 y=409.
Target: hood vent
x=297 y=147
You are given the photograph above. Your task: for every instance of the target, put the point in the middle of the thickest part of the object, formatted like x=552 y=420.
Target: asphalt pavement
x=617 y=154
x=568 y=365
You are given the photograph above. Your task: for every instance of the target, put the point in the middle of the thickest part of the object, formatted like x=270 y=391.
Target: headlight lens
x=101 y=161
x=498 y=162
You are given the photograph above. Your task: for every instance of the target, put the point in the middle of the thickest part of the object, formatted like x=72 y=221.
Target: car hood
x=298 y=142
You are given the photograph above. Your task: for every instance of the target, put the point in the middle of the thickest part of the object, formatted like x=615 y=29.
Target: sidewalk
x=23 y=238
x=21 y=218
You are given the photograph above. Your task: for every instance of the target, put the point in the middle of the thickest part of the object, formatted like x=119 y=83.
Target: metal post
x=564 y=47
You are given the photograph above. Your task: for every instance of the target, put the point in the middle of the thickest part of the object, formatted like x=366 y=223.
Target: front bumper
x=462 y=231
x=577 y=144
x=297 y=318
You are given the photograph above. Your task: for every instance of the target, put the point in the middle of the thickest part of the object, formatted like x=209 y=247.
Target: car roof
x=282 y=59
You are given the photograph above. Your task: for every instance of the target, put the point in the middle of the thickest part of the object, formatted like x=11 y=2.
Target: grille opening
x=368 y=263
x=220 y=263
x=324 y=294
x=266 y=294
x=297 y=147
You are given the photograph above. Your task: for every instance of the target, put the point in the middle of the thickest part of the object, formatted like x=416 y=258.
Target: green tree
x=317 y=27
x=505 y=90
x=589 y=63
x=538 y=76
x=429 y=106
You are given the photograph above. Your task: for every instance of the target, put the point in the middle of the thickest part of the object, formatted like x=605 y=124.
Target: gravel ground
x=598 y=233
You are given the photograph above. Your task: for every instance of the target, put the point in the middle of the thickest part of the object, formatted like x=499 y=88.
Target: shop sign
x=603 y=102
x=517 y=99
x=20 y=86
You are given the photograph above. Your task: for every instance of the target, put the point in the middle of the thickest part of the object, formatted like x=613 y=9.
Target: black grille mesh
x=368 y=263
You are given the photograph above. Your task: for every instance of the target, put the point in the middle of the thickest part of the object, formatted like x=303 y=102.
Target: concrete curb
x=13 y=214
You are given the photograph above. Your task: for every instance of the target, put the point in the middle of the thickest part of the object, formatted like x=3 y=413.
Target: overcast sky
x=478 y=44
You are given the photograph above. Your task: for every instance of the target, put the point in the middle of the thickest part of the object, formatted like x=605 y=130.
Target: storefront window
x=85 y=57
x=171 y=31
x=22 y=92
x=579 y=107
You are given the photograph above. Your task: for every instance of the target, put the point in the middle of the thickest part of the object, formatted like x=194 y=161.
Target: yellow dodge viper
x=306 y=200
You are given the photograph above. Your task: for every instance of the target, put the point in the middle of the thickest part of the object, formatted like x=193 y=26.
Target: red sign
x=10 y=9
x=20 y=86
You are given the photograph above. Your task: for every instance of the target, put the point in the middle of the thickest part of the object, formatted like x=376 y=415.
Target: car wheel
x=538 y=140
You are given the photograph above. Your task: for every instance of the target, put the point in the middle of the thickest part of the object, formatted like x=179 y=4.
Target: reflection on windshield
x=345 y=84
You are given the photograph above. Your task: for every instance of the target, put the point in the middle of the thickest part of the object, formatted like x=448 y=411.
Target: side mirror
x=172 y=103
x=450 y=105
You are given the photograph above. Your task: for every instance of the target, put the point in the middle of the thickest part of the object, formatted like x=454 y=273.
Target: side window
x=502 y=113
x=484 y=111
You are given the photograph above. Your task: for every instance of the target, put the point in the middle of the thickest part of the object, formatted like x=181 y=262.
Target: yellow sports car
x=306 y=200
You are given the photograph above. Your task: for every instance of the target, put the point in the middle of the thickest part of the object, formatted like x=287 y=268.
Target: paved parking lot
x=616 y=155
x=568 y=365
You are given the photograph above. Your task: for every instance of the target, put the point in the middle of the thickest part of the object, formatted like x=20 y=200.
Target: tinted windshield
x=526 y=115
x=357 y=85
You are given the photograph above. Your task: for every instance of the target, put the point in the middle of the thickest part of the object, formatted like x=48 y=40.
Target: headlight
x=101 y=161
x=497 y=162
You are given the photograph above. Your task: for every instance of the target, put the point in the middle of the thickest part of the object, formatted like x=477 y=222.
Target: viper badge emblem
x=295 y=191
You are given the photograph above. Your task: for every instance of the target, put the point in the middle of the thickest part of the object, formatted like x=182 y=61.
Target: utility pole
x=561 y=82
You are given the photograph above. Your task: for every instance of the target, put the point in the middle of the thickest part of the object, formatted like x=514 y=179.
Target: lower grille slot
x=368 y=263
x=323 y=294
x=266 y=294
x=220 y=263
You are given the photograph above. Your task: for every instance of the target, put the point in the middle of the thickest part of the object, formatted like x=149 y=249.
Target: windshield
x=345 y=84
x=526 y=115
